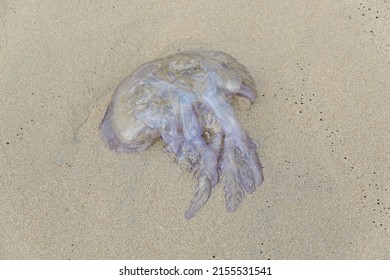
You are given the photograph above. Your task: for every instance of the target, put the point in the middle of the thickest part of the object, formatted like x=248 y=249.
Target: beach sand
x=321 y=120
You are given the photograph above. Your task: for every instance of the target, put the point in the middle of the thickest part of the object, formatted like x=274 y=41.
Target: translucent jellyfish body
x=185 y=99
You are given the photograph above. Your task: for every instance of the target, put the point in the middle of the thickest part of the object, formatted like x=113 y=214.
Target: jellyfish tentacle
x=201 y=196
x=233 y=191
x=202 y=159
x=247 y=92
x=239 y=166
x=172 y=136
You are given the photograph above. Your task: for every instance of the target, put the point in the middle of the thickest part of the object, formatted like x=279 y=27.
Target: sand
x=321 y=120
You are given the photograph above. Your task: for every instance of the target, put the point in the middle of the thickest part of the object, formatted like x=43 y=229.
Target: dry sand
x=321 y=118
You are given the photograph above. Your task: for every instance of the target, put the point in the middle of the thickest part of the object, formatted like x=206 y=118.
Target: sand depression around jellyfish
x=185 y=99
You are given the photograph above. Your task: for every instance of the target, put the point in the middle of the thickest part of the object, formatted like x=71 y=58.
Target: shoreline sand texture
x=321 y=120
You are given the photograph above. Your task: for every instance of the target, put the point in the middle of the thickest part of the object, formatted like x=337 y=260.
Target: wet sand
x=321 y=120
